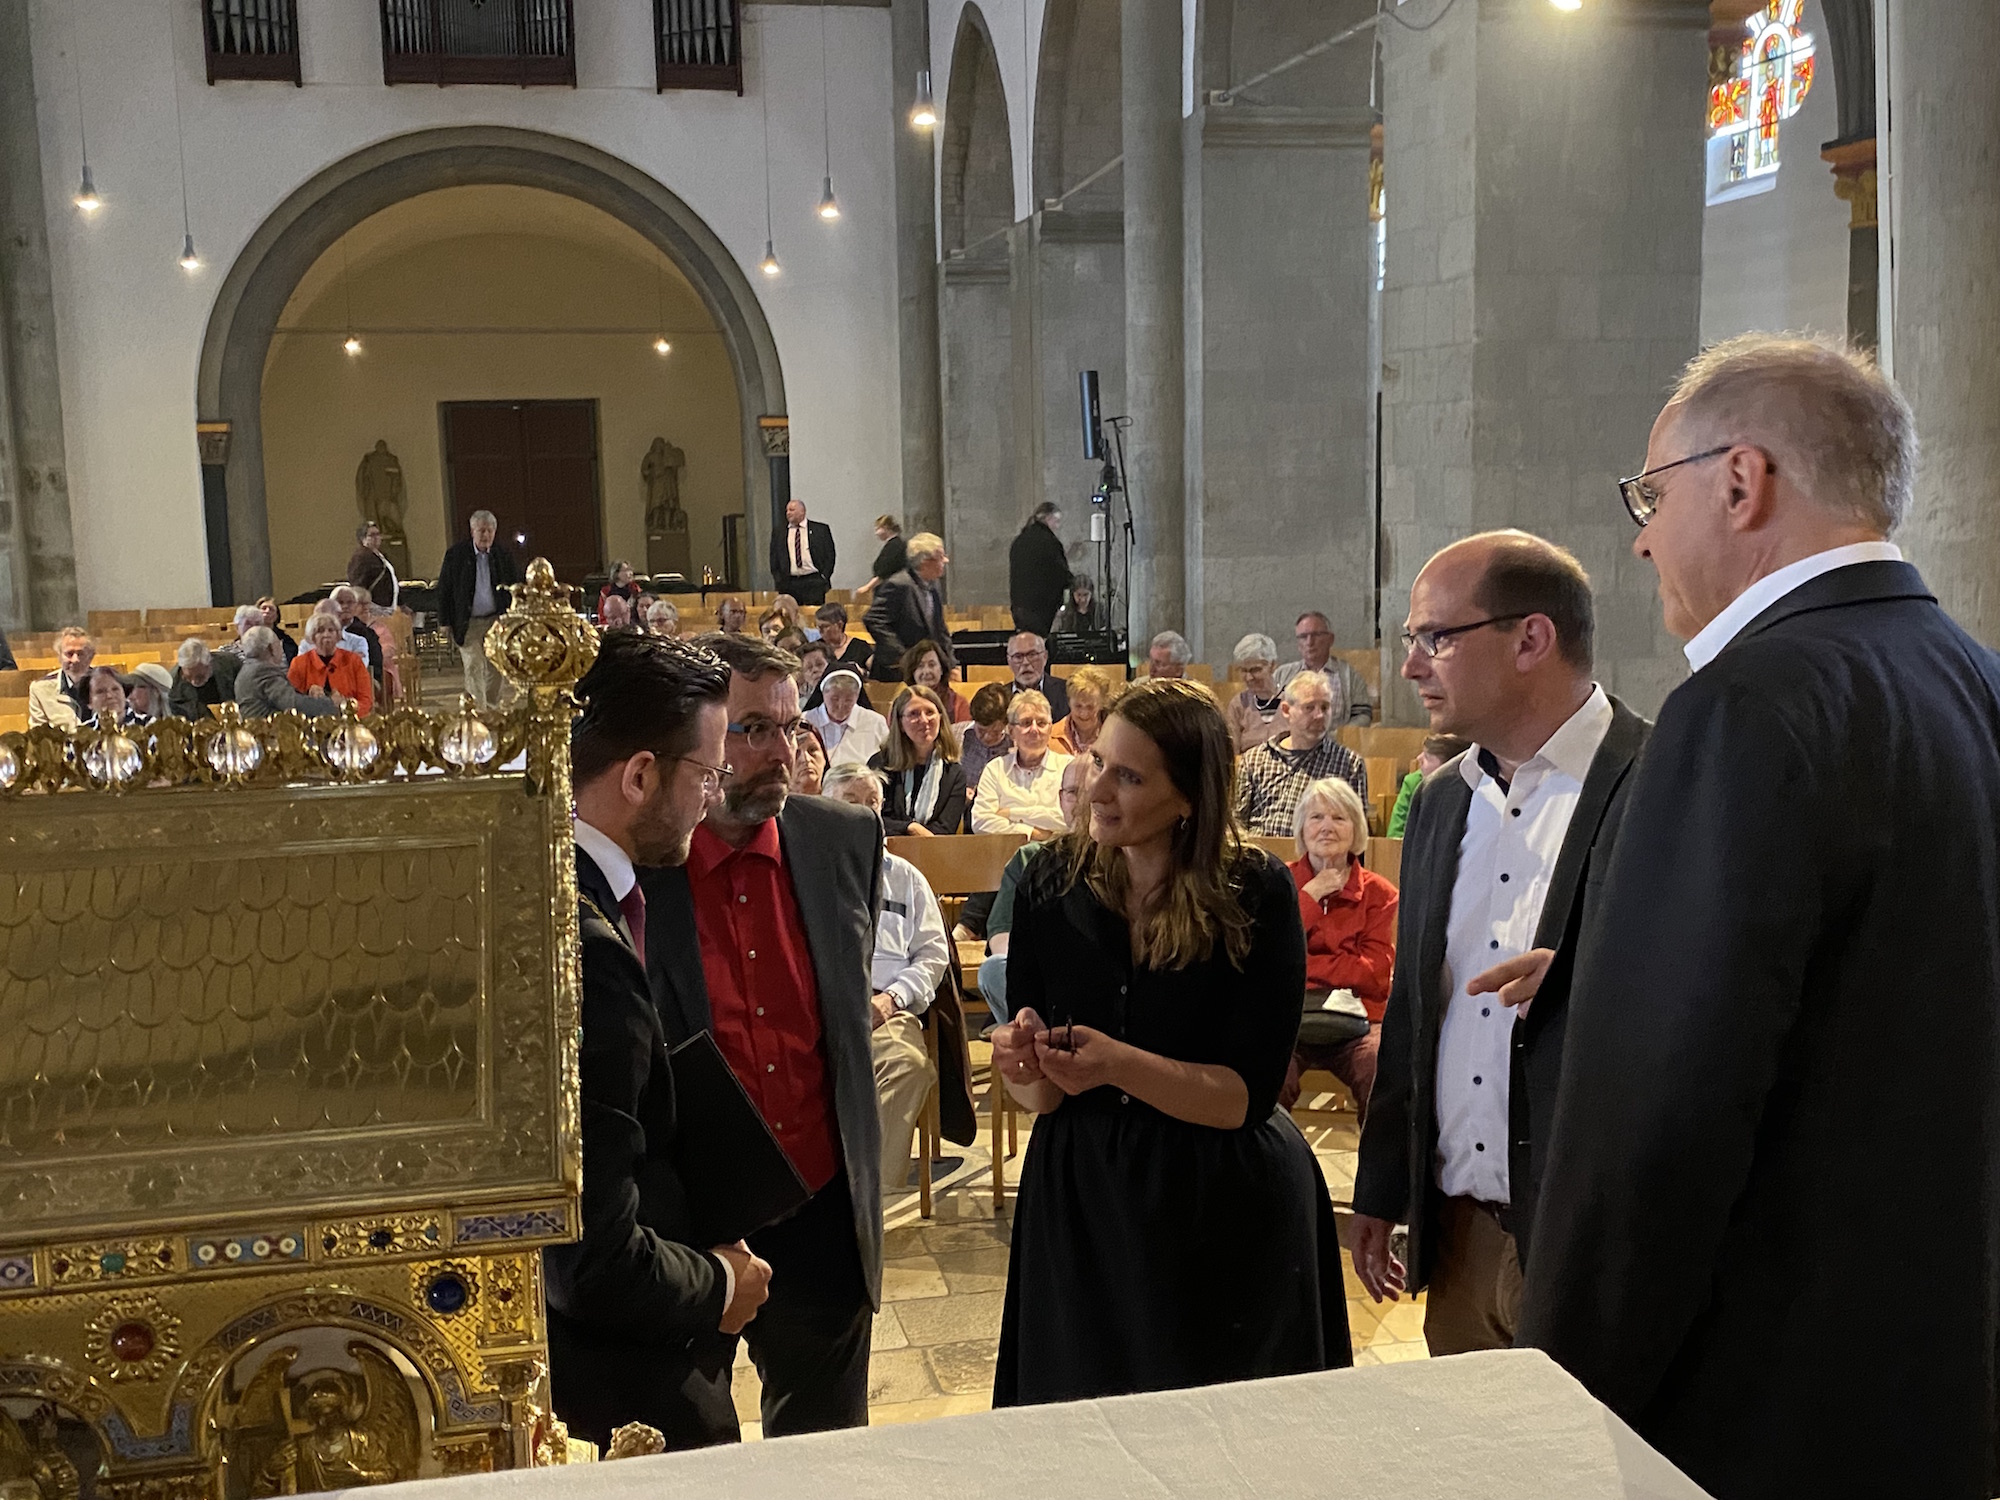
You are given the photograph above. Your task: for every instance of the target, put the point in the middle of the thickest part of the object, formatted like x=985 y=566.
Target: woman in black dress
x=1173 y=1228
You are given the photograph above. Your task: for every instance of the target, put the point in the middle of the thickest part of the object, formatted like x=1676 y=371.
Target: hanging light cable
x=660 y=345
x=190 y=257
x=923 y=114
x=769 y=264
x=86 y=190
x=829 y=206
x=351 y=343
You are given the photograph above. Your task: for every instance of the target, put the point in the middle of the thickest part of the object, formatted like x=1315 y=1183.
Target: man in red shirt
x=764 y=939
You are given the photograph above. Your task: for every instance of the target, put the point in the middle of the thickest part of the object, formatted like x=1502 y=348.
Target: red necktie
x=633 y=908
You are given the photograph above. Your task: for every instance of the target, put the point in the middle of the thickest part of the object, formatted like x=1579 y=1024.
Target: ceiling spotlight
x=769 y=264
x=352 y=344
x=86 y=193
x=661 y=346
x=1567 y=4
x=829 y=206
x=923 y=114
x=190 y=261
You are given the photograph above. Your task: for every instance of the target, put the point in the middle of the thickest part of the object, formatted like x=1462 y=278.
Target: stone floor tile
x=914 y=1276
x=889 y=1331
x=963 y=1369
x=745 y=1390
x=1395 y=1354
x=899 y=1375
x=1362 y=1319
x=1402 y=1322
x=907 y=1240
x=941 y=1238
x=974 y=1270
x=950 y=1320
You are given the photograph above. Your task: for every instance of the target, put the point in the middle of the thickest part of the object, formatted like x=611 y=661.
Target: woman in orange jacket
x=324 y=669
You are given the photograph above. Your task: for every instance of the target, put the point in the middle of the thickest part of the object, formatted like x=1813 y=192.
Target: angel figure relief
x=33 y=1465
x=328 y=1429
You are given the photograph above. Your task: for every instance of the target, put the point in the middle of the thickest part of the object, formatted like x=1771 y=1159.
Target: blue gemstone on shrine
x=381 y=1239
x=447 y=1294
x=112 y=1262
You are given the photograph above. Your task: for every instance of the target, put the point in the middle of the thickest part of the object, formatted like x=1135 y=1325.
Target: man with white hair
x=472 y=591
x=1800 y=905
x=909 y=607
x=911 y=954
x=1271 y=777
x=201 y=679
x=262 y=688
x=63 y=697
x=1028 y=660
x=1168 y=655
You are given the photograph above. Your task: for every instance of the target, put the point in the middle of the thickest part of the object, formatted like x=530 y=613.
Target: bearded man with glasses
x=1495 y=848
x=764 y=938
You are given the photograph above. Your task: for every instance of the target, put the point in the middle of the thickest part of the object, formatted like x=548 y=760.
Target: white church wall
x=130 y=321
x=1778 y=260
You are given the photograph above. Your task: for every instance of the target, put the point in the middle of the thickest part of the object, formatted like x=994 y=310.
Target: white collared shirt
x=798 y=551
x=1011 y=798
x=1505 y=860
x=613 y=861
x=861 y=736
x=911 y=949
x=1768 y=590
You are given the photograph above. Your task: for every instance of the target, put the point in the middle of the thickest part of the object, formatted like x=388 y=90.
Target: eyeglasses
x=1431 y=642
x=764 y=734
x=1643 y=499
x=712 y=777
x=1023 y=657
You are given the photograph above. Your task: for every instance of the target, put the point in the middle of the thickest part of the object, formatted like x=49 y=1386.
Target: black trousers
x=808 y=588
x=810 y=1341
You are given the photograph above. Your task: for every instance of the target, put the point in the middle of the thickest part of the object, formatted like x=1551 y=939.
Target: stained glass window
x=1771 y=76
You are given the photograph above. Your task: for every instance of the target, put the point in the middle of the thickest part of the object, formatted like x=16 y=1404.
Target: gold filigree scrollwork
x=505 y=1313
x=133 y=1337
x=74 y=1265
x=544 y=647
x=386 y=1234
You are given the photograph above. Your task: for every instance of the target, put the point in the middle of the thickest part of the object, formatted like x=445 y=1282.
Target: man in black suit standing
x=641 y=1322
x=1497 y=852
x=802 y=557
x=764 y=938
x=909 y=607
x=1799 y=914
x=472 y=593
x=1038 y=571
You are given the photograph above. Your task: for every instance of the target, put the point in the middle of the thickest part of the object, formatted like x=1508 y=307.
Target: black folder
x=737 y=1176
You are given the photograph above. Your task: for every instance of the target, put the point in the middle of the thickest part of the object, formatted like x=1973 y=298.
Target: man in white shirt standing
x=911 y=954
x=1499 y=646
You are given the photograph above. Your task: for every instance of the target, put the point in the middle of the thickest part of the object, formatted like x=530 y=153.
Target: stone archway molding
x=314 y=217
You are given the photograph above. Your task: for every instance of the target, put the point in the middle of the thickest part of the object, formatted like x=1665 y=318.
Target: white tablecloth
x=1500 y=1426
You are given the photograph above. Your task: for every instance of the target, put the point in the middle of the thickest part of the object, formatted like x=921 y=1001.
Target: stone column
x=916 y=276
x=1155 y=348
x=1544 y=185
x=38 y=575
x=1945 y=140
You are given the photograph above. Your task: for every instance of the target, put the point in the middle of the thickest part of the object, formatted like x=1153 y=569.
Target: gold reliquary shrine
x=288 y=1093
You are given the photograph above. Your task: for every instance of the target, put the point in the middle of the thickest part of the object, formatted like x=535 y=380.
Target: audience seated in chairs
x=999 y=916
x=814 y=659
x=201 y=679
x=809 y=764
x=269 y=616
x=613 y=613
x=1028 y=660
x=1349 y=914
x=1168 y=655
x=847 y=650
x=148 y=687
x=352 y=606
x=911 y=957
x=325 y=669
x=108 y=704
x=849 y=730
x=925 y=791
x=620 y=587
x=663 y=618
x=1253 y=713
x=1091 y=691
x=984 y=736
x=1438 y=748
x=732 y=617
x=62 y=698
x=771 y=625
x=262 y=688
x=1273 y=776
x=923 y=666
x=248 y=617
x=1021 y=793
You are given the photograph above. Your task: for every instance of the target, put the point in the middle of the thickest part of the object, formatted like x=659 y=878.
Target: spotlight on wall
x=86 y=193
x=769 y=264
x=351 y=344
x=190 y=260
x=661 y=346
x=1567 y=4
x=923 y=114
x=829 y=206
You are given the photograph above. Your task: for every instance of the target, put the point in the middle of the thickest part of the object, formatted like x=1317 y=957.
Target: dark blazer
x=833 y=852
x=458 y=575
x=1037 y=577
x=632 y=1295
x=1052 y=688
x=900 y=615
x=819 y=547
x=185 y=699
x=1396 y=1178
x=1782 y=1073
x=948 y=812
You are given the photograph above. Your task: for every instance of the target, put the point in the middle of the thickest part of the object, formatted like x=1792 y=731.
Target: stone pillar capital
x=1853 y=164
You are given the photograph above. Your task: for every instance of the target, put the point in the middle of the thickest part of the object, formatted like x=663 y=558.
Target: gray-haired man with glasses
x=764 y=939
x=1498 y=644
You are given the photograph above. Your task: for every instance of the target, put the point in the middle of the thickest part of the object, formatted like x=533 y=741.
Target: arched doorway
x=261 y=283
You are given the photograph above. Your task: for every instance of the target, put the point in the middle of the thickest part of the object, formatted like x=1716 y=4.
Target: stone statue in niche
x=378 y=491
x=667 y=549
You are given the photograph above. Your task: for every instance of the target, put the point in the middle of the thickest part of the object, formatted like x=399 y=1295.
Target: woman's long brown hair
x=1202 y=900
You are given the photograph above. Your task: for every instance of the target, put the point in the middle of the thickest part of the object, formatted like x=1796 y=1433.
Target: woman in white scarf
x=925 y=791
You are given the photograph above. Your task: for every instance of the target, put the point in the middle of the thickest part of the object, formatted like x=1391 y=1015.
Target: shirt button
x=1485 y=1010
x=1517 y=812
x=1124 y=1098
x=1479 y=1145
x=1494 y=944
x=777 y=1124
x=1476 y=1079
x=760 y=1010
x=1121 y=989
x=770 y=1067
x=753 y=952
x=742 y=900
x=1503 y=879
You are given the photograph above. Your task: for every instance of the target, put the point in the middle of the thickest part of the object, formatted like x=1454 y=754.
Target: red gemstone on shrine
x=132 y=1342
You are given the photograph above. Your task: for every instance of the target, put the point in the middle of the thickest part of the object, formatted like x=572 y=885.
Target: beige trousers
x=482 y=679
x=903 y=1080
x=1474 y=1297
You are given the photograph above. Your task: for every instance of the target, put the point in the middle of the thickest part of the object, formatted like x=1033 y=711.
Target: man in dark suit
x=472 y=592
x=1038 y=571
x=641 y=1322
x=909 y=607
x=1800 y=914
x=1028 y=660
x=1496 y=854
x=802 y=557
x=764 y=938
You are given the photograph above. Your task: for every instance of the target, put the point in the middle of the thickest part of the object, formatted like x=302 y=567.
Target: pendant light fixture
x=829 y=206
x=86 y=190
x=351 y=343
x=769 y=264
x=190 y=257
x=661 y=346
x=923 y=114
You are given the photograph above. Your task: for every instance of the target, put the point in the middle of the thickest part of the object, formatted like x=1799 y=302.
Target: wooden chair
x=1281 y=846
x=115 y=619
x=962 y=865
x=989 y=674
x=1385 y=858
x=1385 y=780
x=882 y=695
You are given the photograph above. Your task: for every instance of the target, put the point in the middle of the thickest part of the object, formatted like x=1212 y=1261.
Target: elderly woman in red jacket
x=1350 y=919
x=325 y=669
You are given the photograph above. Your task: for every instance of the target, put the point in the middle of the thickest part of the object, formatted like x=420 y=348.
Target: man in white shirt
x=911 y=954
x=848 y=730
x=1499 y=647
